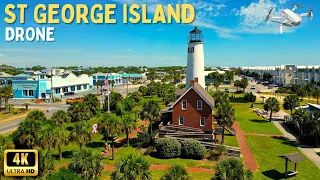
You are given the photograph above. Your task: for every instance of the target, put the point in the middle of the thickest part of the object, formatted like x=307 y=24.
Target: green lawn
x=251 y=122
x=230 y=140
x=157 y=174
x=124 y=151
x=267 y=151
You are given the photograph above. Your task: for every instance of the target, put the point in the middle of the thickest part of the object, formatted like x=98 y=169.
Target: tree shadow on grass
x=286 y=141
x=273 y=174
x=65 y=154
x=259 y=121
x=95 y=144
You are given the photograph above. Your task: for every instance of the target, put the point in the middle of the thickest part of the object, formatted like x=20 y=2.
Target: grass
x=267 y=151
x=252 y=123
x=124 y=151
x=230 y=140
x=157 y=174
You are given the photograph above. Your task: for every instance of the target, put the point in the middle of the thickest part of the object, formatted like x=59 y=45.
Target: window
x=181 y=120
x=73 y=88
x=25 y=92
x=41 y=76
x=199 y=105
x=202 y=121
x=184 y=105
x=65 y=89
x=43 y=95
x=58 y=91
x=30 y=92
x=79 y=87
x=85 y=86
x=191 y=50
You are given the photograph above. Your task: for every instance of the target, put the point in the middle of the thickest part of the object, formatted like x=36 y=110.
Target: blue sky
x=234 y=30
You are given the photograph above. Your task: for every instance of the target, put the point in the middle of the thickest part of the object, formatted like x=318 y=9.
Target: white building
x=54 y=71
x=195 y=64
x=289 y=73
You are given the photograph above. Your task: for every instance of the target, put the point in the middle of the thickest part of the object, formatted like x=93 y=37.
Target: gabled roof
x=201 y=92
x=23 y=75
x=4 y=75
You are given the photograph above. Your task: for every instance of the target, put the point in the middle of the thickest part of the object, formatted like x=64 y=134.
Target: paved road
x=12 y=125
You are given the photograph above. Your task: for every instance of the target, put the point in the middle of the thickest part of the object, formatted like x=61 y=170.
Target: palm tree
x=28 y=132
x=314 y=120
x=80 y=133
x=5 y=143
x=45 y=135
x=87 y=164
x=291 y=102
x=231 y=168
x=150 y=111
x=272 y=105
x=79 y=111
x=60 y=117
x=132 y=167
x=46 y=163
x=316 y=95
x=36 y=115
x=219 y=97
x=178 y=172
x=207 y=85
x=225 y=116
x=99 y=83
x=112 y=126
x=92 y=102
x=10 y=107
x=129 y=125
x=6 y=92
x=216 y=84
x=300 y=115
x=60 y=138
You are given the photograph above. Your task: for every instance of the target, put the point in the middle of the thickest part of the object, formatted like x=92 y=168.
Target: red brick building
x=193 y=108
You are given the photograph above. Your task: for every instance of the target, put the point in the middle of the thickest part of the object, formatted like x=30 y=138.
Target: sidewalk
x=307 y=151
x=249 y=160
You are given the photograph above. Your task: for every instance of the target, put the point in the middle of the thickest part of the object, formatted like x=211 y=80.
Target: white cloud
x=1 y=55
x=255 y=13
x=129 y=50
x=283 y=1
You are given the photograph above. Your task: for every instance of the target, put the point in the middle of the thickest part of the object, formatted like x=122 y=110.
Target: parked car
x=226 y=90
x=72 y=100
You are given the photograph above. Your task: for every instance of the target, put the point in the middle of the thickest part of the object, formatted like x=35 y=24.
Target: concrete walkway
x=307 y=151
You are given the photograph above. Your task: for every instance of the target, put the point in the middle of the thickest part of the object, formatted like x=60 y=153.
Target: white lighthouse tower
x=195 y=65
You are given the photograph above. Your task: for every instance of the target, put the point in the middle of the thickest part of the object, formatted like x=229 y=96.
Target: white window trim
x=182 y=105
x=204 y=122
x=197 y=105
x=179 y=120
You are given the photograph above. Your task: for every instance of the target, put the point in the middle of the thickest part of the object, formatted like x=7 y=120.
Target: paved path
x=14 y=124
x=307 y=151
x=249 y=160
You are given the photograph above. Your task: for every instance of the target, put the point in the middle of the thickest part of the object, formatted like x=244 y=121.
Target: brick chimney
x=196 y=80
x=191 y=82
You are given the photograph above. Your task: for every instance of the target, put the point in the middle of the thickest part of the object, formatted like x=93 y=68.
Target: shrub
x=231 y=168
x=249 y=97
x=191 y=148
x=143 y=140
x=148 y=151
x=176 y=172
x=216 y=153
x=168 y=147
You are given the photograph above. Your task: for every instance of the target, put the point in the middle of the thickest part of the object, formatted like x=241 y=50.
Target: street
x=52 y=107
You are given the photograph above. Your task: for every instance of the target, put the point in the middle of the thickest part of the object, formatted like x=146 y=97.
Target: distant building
x=5 y=79
x=54 y=71
x=288 y=74
x=118 y=78
x=39 y=86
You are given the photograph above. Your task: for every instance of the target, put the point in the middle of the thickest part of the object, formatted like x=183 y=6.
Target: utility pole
x=52 y=94
x=128 y=81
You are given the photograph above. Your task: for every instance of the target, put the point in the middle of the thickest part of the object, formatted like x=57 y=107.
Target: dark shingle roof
x=294 y=157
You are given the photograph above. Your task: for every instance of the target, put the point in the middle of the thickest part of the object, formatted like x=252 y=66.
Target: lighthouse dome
x=195 y=35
